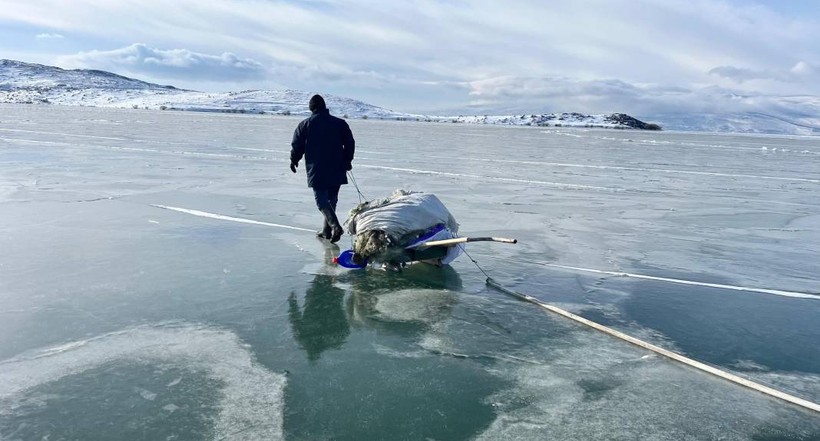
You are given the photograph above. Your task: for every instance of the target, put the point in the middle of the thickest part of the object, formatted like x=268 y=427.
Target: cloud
x=551 y=94
x=740 y=75
x=515 y=95
x=141 y=59
x=800 y=72
x=47 y=36
x=803 y=69
x=428 y=54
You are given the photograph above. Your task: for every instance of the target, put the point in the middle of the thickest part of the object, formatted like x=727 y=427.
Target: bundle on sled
x=405 y=227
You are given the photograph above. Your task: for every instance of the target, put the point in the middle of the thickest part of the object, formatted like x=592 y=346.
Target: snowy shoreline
x=27 y=83
x=286 y=107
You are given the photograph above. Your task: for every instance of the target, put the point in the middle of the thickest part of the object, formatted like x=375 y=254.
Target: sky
x=642 y=57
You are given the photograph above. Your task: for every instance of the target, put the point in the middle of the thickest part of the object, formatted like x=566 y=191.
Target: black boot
x=326 y=232
x=333 y=221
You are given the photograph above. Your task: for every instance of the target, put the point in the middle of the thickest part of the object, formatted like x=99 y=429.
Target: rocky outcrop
x=623 y=119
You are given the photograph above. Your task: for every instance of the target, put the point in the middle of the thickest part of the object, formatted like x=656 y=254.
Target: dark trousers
x=326 y=197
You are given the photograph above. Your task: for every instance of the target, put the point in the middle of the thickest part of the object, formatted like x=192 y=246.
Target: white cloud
x=803 y=69
x=173 y=63
x=395 y=53
x=556 y=94
x=515 y=95
x=47 y=36
x=740 y=74
x=801 y=73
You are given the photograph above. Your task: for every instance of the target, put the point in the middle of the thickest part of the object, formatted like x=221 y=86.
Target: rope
x=778 y=292
x=661 y=351
x=360 y=195
x=474 y=261
x=355 y=184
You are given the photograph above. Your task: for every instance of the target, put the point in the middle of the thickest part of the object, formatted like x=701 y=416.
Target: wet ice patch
x=251 y=396
x=321 y=255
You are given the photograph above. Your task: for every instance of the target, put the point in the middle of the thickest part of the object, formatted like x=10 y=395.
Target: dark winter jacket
x=327 y=145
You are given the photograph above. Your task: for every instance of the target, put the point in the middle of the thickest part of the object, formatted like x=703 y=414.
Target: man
x=328 y=146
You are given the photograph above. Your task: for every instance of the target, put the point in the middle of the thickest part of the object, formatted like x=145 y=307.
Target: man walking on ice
x=328 y=146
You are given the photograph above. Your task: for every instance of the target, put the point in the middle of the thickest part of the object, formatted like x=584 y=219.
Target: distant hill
x=566 y=119
x=788 y=122
x=37 y=77
x=34 y=83
x=38 y=84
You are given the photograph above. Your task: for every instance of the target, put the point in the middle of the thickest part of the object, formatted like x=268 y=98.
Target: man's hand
x=293 y=166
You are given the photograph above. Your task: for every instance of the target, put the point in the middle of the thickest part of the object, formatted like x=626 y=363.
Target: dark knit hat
x=317 y=103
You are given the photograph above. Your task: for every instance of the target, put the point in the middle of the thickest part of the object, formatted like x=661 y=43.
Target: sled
x=433 y=252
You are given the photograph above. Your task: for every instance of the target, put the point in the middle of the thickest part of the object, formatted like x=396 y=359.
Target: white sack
x=402 y=213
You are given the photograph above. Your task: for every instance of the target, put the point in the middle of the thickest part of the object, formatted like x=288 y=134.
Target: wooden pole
x=458 y=240
x=809 y=405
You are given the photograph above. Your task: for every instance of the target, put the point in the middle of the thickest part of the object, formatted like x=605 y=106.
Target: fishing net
x=384 y=227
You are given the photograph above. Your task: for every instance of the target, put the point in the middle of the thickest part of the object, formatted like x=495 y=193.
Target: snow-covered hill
x=38 y=84
x=794 y=118
x=29 y=76
x=574 y=119
x=34 y=83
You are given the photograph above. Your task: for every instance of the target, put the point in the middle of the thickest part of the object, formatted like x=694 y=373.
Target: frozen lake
x=121 y=320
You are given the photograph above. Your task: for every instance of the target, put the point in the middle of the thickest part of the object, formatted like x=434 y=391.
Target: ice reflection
x=418 y=297
x=320 y=324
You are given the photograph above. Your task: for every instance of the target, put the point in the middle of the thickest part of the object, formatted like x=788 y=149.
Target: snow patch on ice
x=253 y=397
x=589 y=391
x=147 y=394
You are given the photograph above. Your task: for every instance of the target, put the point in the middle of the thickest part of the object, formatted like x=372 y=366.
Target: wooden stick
x=458 y=240
x=806 y=404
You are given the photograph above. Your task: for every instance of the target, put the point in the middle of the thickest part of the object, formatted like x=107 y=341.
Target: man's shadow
x=321 y=323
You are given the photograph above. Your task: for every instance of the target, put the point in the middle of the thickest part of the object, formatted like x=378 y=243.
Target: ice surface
x=252 y=397
x=684 y=240
x=426 y=306
x=572 y=384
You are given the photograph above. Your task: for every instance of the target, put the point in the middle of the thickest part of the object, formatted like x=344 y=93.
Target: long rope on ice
x=661 y=351
x=778 y=292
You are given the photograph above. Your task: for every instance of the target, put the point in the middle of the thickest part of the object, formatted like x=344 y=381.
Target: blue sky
x=641 y=57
